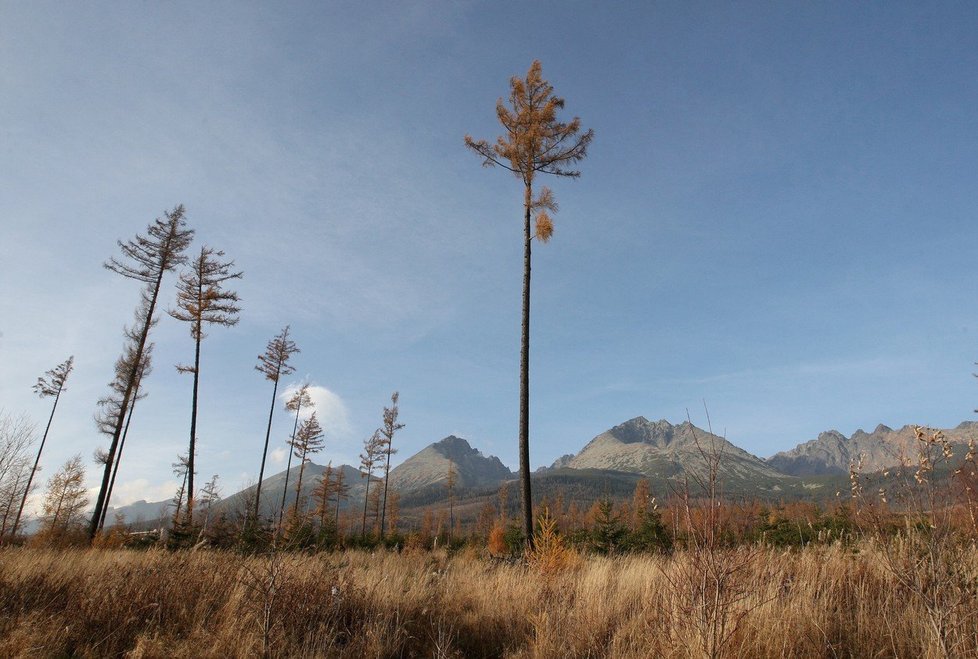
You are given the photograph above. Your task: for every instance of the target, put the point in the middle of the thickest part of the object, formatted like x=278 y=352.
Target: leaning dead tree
x=110 y=407
x=273 y=364
x=145 y=258
x=373 y=449
x=535 y=142
x=51 y=384
x=203 y=300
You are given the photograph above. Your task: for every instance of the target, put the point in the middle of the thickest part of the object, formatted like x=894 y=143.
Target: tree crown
x=274 y=363
x=52 y=382
x=146 y=258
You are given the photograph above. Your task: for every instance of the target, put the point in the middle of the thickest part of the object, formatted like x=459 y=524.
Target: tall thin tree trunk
x=387 y=472
x=288 y=466
x=193 y=434
x=37 y=461
x=298 y=485
x=130 y=383
x=366 y=495
x=118 y=459
x=268 y=433
x=524 y=428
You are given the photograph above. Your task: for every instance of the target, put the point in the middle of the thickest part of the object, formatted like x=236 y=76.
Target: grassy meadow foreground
x=821 y=601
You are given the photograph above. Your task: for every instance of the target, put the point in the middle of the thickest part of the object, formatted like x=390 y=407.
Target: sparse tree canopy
x=535 y=141
x=274 y=363
x=52 y=383
x=203 y=299
x=310 y=439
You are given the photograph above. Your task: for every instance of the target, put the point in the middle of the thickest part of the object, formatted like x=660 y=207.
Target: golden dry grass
x=820 y=602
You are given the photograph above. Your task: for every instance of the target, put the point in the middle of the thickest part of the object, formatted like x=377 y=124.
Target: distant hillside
x=665 y=452
x=430 y=466
x=832 y=452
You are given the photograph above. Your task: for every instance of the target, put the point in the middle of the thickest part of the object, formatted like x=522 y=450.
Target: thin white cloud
x=278 y=455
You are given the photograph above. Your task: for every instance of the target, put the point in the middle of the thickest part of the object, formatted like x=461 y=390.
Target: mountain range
x=671 y=456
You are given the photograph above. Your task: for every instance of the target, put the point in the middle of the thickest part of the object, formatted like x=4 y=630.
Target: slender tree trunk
x=288 y=466
x=118 y=459
x=524 y=428
x=130 y=383
x=298 y=485
x=193 y=433
x=387 y=472
x=337 y=518
x=37 y=461
x=268 y=433
x=366 y=495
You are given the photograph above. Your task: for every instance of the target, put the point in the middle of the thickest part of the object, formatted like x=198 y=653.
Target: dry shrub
x=549 y=556
x=497 y=541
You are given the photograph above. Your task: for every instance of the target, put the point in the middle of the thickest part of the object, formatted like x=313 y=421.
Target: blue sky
x=776 y=217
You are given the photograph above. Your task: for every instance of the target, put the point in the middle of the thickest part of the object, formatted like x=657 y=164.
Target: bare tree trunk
x=366 y=495
x=130 y=383
x=288 y=466
x=193 y=434
x=118 y=459
x=37 y=460
x=298 y=485
x=524 y=428
x=387 y=472
x=268 y=433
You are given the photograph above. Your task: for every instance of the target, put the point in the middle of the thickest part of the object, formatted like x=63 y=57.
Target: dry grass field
x=818 y=602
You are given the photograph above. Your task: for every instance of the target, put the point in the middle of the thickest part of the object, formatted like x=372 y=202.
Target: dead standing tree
x=391 y=426
x=373 y=449
x=50 y=384
x=295 y=404
x=145 y=258
x=534 y=142
x=308 y=440
x=110 y=408
x=273 y=364
x=202 y=299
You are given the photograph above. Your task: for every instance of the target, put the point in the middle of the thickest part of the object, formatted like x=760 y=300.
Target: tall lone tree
x=273 y=364
x=295 y=404
x=535 y=142
x=391 y=426
x=52 y=383
x=203 y=300
x=308 y=440
x=145 y=258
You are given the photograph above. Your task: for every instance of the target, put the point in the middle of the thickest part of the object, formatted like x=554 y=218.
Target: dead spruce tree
x=309 y=440
x=391 y=426
x=299 y=400
x=203 y=300
x=52 y=383
x=110 y=406
x=535 y=142
x=373 y=449
x=144 y=369
x=273 y=364
x=145 y=258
